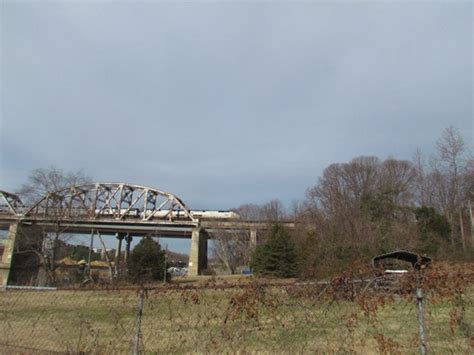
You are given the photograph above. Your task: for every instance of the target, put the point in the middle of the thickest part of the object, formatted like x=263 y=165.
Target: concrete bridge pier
x=21 y=267
x=253 y=239
x=128 y=241
x=118 y=253
x=198 y=252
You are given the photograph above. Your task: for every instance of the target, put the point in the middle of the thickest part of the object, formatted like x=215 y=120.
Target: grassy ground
x=217 y=320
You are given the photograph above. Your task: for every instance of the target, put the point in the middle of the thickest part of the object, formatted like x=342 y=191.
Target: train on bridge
x=174 y=214
x=119 y=209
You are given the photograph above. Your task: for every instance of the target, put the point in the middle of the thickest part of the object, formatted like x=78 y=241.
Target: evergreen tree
x=433 y=229
x=147 y=261
x=277 y=257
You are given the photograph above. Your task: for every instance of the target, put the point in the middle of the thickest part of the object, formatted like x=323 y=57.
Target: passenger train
x=200 y=214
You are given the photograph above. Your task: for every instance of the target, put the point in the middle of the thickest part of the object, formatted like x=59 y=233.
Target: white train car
x=215 y=214
x=199 y=214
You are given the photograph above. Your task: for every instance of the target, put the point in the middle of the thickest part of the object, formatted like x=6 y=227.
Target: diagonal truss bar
x=12 y=201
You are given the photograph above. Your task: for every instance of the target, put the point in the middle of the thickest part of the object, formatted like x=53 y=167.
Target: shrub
x=277 y=257
x=147 y=261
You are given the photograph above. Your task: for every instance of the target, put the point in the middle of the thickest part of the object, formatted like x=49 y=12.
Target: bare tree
x=357 y=209
x=343 y=187
x=451 y=167
x=40 y=183
x=45 y=180
x=366 y=206
x=272 y=211
x=398 y=178
x=232 y=249
x=249 y=212
x=421 y=190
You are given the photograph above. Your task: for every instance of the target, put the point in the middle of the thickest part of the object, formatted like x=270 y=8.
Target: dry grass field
x=248 y=319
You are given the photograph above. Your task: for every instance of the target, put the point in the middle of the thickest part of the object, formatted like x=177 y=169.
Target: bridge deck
x=138 y=227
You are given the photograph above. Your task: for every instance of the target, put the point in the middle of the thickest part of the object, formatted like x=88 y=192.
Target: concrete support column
x=103 y=253
x=24 y=267
x=198 y=252
x=253 y=239
x=118 y=252
x=7 y=256
x=128 y=241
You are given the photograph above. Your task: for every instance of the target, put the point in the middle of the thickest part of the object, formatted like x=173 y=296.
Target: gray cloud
x=227 y=103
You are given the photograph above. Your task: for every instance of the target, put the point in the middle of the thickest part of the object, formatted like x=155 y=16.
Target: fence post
x=138 y=323
x=421 y=320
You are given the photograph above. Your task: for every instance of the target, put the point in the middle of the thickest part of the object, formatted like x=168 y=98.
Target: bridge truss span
x=118 y=201
x=10 y=203
x=120 y=209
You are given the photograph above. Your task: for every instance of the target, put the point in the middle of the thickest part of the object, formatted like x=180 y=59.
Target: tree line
x=368 y=206
x=355 y=210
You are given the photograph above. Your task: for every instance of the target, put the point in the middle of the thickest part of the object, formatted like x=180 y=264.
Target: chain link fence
x=351 y=313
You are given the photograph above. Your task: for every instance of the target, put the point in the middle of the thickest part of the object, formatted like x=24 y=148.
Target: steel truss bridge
x=126 y=210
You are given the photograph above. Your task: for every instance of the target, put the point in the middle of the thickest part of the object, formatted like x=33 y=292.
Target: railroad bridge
x=119 y=209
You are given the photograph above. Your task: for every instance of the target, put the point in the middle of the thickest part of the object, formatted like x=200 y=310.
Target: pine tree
x=277 y=257
x=433 y=229
x=147 y=261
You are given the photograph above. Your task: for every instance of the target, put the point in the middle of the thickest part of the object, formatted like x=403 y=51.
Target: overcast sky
x=224 y=103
